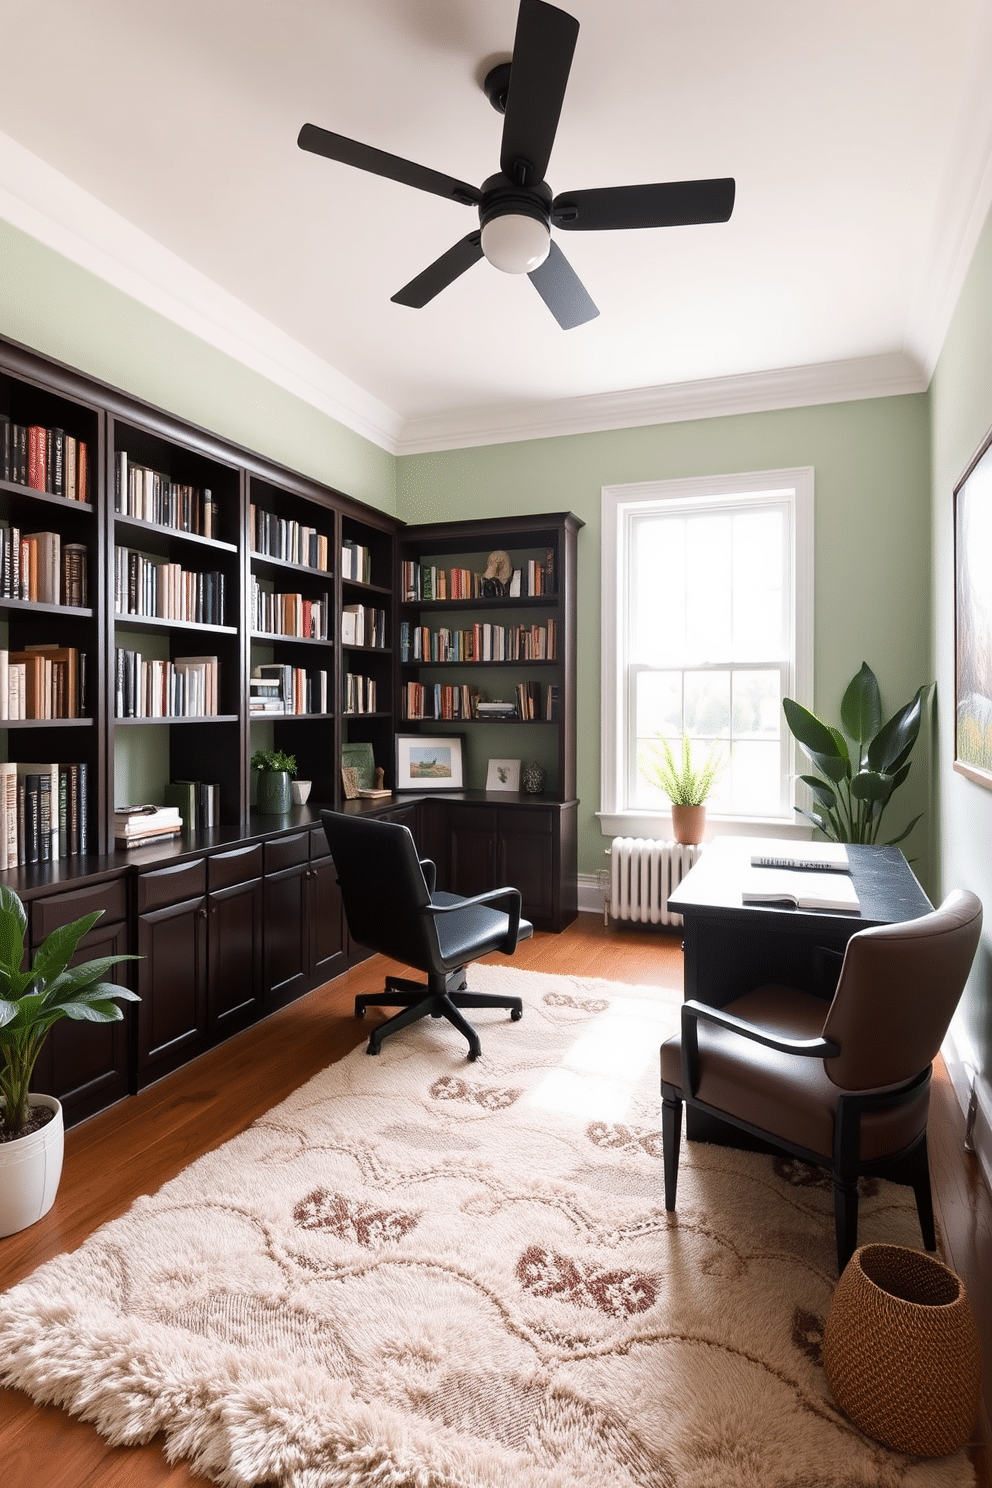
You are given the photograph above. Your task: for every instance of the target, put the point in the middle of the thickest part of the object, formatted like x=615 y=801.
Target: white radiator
x=643 y=872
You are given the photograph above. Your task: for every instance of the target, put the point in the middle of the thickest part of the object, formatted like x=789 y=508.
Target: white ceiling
x=859 y=133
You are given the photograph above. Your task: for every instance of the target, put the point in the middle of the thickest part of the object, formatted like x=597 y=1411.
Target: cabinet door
x=234 y=982
x=287 y=935
x=525 y=859
x=327 y=928
x=472 y=845
x=86 y=1065
x=172 y=984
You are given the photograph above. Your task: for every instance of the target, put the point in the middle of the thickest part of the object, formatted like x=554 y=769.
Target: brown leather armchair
x=844 y=1084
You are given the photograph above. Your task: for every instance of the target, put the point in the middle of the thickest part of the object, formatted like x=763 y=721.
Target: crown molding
x=47 y=206
x=720 y=397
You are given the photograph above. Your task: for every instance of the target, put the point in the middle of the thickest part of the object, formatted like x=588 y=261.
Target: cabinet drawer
x=229 y=868
x=61 y=909
x=318 y=844
x=527 y=822
x=286 y=852
x=168 y=885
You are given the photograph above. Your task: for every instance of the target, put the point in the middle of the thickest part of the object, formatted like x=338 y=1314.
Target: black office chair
x=844 y=1084
x=392 y=907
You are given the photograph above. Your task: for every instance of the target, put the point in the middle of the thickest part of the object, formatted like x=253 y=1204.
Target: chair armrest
x=694 y=1013
x=817 y=1048
x=492 y=897
x=430 y=873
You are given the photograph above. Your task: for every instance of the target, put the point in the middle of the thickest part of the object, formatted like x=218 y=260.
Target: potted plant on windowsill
x=273 y=796
x=32 y=1000
x=686 y=784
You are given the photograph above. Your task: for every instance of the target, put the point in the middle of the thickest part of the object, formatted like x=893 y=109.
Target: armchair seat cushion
x=785 y=1095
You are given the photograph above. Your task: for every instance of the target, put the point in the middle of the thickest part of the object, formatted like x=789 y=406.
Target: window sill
x=659 y=824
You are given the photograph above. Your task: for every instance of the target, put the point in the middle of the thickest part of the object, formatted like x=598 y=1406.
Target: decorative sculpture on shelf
x=496 y=579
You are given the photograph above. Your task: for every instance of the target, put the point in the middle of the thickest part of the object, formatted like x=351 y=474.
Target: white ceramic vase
x=30 y=1169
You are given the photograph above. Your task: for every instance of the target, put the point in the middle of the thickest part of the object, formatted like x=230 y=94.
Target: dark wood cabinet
x=172 y=972
x=86 y=1065
x=525 y=846
x=305 y=935
x=234 y=928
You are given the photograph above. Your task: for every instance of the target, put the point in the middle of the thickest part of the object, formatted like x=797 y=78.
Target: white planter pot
x=30 y=1169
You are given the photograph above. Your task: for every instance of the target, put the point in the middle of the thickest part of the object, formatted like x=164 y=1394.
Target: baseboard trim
x=963 y=1078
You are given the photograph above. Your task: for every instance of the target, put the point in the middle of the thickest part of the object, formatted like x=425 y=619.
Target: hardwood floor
x=139 y=1144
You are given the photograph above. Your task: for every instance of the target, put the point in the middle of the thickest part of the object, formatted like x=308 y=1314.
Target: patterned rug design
x=423 y=1273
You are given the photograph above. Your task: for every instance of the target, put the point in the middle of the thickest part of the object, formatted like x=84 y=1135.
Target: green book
x=183 y=793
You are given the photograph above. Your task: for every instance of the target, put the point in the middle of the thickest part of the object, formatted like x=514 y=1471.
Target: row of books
x=44 y=459
x=153 y=587
x=152 y=497
x=427 y=582
x=39 y=567
x=42 y=812
x=148 y=687
x=359 y=693
x=290 y=614
x=197 y=801
x=276 y=537
x=441 y=701
x=274 y=688
x=363 y=625
x=356 y=561
x=43 y=681
x=496 y=643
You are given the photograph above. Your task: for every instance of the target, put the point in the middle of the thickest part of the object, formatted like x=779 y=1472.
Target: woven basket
x=900 y=1350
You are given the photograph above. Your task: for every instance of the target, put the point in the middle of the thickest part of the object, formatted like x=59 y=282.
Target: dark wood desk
x=731 y=947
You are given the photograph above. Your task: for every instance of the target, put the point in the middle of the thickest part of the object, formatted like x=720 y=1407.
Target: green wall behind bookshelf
x=872 y=564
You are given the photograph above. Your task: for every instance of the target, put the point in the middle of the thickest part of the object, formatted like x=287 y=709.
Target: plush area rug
x=419 y=1272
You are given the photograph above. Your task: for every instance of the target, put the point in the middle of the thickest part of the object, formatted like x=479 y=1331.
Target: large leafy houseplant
x=33 y=999
x=862 y=766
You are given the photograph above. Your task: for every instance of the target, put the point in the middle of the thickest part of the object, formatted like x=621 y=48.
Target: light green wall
x=872 y=541
x=961 y=394
x=57 y=308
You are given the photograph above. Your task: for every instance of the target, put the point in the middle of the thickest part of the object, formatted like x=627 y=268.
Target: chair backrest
x=898 y=988
x=383 y=888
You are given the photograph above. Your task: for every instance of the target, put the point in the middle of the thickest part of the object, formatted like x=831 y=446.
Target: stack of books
x=135 y=826
x=496 y=709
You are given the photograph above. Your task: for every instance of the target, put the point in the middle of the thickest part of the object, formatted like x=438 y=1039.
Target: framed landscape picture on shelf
x=426 y=763
x=503 y=775
x=973 y=620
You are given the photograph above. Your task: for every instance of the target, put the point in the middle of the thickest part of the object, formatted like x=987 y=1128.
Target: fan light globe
x=516 y=244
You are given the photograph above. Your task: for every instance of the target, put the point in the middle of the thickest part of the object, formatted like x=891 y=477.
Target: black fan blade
x=668 y=204
x=562 y=291
x=393 y=167
x=442 y=272
x=542 y=59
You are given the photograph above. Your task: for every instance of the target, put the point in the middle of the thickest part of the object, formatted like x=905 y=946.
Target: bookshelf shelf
x=44 y=498
x=35 y=607
x=45 y=723
x=306 y=570
x=171 y=719
x=138 y=527
x=156 y=622
x=275 y=635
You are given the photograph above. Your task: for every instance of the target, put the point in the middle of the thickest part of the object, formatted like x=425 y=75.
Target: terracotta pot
x=688 y=823
x=30 y=1169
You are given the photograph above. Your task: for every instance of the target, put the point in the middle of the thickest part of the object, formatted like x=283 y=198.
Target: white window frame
x=619 y=503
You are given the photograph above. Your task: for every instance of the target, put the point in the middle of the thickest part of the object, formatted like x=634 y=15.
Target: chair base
x=440 y=997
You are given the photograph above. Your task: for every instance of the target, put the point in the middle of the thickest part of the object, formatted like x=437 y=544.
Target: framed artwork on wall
x=503 y=775
x=973 y=619
x=429 y=763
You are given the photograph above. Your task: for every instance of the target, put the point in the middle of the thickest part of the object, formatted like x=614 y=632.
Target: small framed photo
x=429 y=763
x=504 y=775
x=358 y=757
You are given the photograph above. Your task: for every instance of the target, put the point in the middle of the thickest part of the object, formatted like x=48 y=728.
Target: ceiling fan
x=516 y=207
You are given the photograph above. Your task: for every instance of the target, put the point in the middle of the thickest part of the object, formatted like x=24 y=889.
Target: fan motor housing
x=502 y=197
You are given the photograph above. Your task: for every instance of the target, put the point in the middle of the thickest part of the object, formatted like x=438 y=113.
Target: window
x=707 y=625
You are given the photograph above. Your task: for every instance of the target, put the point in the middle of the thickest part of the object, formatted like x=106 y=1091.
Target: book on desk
x=821 y=857
x=800 y=888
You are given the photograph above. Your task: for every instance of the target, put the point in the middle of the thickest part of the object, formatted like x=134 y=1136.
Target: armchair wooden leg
x=671 y=1139
x=845 y=1219
x=919 y=1170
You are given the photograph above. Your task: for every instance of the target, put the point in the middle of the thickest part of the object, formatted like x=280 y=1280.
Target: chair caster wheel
x=516 y=1014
